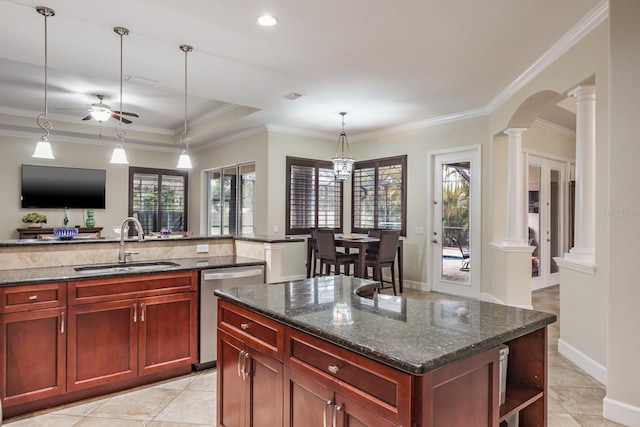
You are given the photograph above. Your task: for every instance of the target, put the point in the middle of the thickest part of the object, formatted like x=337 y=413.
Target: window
x=158 y=198
x=314 y=196
x=379 y=195
x=231 y=201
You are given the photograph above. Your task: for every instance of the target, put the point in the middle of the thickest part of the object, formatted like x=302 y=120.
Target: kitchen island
x=314 y=352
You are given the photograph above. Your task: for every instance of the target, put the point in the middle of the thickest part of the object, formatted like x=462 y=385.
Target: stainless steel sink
x=130 y=266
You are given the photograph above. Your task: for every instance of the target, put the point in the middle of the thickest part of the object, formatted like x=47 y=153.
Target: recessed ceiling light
x=267 y=20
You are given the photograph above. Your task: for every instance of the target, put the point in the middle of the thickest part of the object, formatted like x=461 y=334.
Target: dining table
x=361 y=243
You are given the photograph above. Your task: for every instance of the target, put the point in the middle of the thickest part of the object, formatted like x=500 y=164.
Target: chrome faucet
x=122 y=254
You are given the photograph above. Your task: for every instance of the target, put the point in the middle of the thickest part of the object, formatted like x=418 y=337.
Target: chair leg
x=393 y=279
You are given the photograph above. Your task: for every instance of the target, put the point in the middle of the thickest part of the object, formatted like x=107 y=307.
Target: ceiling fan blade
x=88 y=117
x=118 y=118
x=124 y=113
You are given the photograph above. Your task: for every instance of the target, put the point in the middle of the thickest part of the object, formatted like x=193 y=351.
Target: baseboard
x=416 y=285
x=621 y=412
x=489 y=298
x=583 y=361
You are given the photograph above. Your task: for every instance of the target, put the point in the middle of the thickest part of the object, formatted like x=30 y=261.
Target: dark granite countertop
x=55 y=274
x=412 y=335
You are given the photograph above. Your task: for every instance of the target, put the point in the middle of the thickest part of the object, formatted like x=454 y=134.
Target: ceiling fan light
x=101 y=114
x=119 y=157
x=43 y=150
x=184 y=162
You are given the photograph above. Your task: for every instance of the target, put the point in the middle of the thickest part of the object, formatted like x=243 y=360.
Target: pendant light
x=342 y=165
x=43 y=147
x=185 y=161
x=119 y=156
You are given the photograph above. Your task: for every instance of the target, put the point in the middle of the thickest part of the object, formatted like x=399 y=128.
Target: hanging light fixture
x=185 y=161
x=342 y=165
x=43 y=147
x=119 y=156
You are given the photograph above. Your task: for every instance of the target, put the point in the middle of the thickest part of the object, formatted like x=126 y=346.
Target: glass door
x=456 y=230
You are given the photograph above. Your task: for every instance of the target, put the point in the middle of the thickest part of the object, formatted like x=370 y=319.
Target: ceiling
x=387 y=63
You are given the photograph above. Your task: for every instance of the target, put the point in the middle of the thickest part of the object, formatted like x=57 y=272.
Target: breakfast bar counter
x=389 y=360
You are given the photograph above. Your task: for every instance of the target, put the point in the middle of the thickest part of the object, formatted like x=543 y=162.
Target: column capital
x=514 y=132
x=583 y=91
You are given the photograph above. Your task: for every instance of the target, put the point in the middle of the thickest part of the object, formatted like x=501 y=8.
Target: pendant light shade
x=184 y=162
x=119 y=156
x=343 y=163
x=43 y=147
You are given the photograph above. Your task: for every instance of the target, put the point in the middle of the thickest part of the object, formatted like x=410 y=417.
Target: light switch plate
x=419 y=230
x=202 y=249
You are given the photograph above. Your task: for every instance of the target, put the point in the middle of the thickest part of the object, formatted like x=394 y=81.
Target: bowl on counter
x=65 y=233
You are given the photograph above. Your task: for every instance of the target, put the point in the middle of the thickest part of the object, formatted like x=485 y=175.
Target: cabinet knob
x=244 y=326
x=333 y=369
x=33 y=297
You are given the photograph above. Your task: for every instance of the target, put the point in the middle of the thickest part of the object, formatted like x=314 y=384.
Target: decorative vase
x=90 y=222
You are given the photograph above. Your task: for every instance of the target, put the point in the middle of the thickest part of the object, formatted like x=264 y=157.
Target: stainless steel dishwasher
x=210 y=280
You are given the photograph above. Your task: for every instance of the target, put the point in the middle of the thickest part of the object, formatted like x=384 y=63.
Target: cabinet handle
x=246 y=365
x=336 y=409
x=33 y=297
x=244 y=326
x=240 y=356
x=333 y=369
x=62 y=322
x=142 y=312
x=135 y=312
x=324 y=415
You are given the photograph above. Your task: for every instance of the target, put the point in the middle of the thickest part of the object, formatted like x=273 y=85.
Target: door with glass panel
x=455 y=234
x=232 y=201
x=545 y=214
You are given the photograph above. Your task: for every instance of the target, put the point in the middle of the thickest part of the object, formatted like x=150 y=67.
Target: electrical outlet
x=202 y=249
x=419 y=230
x=275 y=228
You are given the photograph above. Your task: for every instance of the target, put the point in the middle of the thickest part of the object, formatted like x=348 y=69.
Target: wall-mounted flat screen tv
x=61 y=187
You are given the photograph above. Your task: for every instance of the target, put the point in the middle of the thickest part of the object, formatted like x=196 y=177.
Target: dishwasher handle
x=224 y=273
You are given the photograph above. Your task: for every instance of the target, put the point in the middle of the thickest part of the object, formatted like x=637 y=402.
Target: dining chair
x=315 y=256
x=328 y=254
x=385 y=258
x=374 y=232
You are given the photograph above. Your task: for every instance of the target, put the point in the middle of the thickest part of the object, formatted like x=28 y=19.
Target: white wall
x=17 y=151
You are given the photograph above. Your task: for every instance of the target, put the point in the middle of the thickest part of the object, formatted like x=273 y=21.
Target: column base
x=584 y=263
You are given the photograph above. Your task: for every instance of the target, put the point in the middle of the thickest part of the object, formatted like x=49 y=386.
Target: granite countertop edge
x=403 y=365
x=33 y=276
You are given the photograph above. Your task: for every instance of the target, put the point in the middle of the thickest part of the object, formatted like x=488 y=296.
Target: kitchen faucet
x=122 y=254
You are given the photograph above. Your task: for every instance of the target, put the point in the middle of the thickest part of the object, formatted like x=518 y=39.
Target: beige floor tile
x=578 y=400
x=595 y=421
x=192 y=407
x=82 y=408
x=169 y=424
x=142 y=404
x=561 y=420
x=109 y=422
x=204 y=382
x=176 y=384
x=553 y=406
x=45 y=420
x=568 y=377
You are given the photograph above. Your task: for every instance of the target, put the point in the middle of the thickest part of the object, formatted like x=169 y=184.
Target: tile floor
x=575 y=399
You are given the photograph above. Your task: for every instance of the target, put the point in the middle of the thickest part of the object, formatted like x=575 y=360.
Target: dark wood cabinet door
x=232 y=409
x=33 y=355
x=264 y=381
x=168 y=332
x=350 y=414
x=103 y=342
x=307 y=401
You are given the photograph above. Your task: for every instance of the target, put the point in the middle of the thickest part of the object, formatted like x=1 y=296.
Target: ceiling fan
x=101 y=112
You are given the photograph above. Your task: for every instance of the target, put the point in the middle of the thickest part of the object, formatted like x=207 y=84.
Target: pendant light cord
x=45 y=125
x=183 y=139
x=121 y=32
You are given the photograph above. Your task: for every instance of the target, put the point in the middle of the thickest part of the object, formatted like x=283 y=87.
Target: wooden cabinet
x=250 y=370
x=32 y=359
x=32 y=233
x=113 y=339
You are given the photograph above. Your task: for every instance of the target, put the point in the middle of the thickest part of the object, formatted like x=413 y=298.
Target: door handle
x=324 y=415
x=135 y=312
x=336 y=409
x=62 y=322
x=142 y=312
x=246 y=365
x=240 y=356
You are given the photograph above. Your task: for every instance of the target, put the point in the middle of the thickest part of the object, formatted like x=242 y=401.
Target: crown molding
x=245 y=133
x=302 y=132
x=553 y=127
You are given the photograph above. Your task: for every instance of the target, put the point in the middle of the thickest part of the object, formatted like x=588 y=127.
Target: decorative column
x=515 y=190
x=583 y=250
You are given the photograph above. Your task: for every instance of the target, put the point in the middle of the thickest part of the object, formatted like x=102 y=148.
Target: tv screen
x=60 y=187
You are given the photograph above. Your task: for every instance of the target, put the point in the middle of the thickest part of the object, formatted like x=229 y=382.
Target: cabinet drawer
x=264 y=334
x=33 y=297
x=362 y=379
x=122 y=287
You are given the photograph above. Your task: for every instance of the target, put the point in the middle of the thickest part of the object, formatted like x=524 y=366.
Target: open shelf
x=518 y=398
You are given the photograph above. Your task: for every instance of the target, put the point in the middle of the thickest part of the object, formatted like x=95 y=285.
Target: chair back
x=374 y=232
x=388 y=245
x=325 y=238
x=314 y=240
